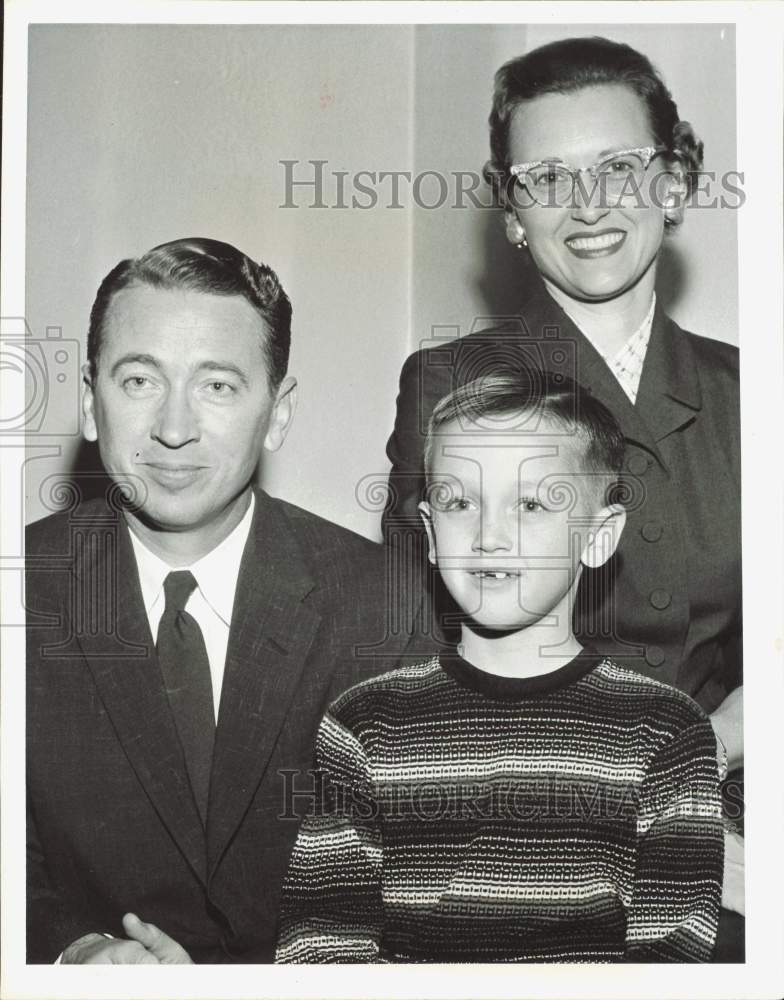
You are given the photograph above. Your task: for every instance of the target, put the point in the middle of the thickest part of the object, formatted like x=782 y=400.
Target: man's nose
x=176 y=421
x=589 y=200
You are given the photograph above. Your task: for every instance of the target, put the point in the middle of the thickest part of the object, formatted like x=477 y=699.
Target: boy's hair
x=535 y=396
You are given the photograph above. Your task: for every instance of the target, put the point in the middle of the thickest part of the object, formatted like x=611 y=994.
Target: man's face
x=508 y=519
x=181 y=405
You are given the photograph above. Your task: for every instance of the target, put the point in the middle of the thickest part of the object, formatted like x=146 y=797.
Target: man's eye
x=218 y=388
x=136 y=383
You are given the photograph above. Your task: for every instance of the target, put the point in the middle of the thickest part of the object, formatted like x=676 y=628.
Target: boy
x=520 y=798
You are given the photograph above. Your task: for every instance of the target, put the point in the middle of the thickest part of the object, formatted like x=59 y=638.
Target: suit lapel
x=120 y=653
x=272 y=629
x=657 y=413
x=670 y=393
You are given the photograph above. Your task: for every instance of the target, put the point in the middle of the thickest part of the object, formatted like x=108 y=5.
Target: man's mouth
x=173 y=474
x=597 y=244
x=495 y=574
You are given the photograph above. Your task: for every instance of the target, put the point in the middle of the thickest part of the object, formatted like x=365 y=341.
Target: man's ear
x=603 y=539
x=89 y=430
x=427 y=519
x=282 y=413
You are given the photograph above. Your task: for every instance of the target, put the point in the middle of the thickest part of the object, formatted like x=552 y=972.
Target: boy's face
x=511 y=518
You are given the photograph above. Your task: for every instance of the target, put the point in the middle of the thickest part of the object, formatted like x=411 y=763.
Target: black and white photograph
x=391 y=454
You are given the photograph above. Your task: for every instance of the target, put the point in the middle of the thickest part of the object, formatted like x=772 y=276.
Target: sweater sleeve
x=676 y=893
x=331 y=909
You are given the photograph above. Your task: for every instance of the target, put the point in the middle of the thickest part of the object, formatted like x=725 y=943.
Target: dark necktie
x=186 y=673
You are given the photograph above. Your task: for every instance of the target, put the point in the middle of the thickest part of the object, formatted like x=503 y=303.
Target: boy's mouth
x=495 y=574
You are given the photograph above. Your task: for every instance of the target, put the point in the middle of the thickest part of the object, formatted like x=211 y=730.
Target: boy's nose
x=176 y=423
x=495 y=534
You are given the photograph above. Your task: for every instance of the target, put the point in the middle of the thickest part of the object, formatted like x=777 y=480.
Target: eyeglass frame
x=646 y=153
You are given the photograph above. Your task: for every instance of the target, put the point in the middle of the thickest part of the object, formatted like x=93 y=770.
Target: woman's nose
x=176 y=422
x=589 y=202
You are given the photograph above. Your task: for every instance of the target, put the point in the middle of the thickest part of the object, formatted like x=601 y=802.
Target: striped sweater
x=465 y=817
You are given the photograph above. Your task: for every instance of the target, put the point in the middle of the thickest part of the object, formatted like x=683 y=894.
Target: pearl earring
x=523 y=242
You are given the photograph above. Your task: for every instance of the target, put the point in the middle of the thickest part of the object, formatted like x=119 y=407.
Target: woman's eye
x=546 y=178
x=619 y=167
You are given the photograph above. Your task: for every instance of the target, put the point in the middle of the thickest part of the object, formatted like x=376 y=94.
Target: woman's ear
x=603 y=539
x=427 y=519
x=675 y=193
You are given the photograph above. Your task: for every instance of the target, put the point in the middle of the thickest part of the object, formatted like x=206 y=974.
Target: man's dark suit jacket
x=112 y=823
x=669 y=603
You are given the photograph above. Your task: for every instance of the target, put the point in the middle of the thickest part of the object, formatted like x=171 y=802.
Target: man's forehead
x=144 y=308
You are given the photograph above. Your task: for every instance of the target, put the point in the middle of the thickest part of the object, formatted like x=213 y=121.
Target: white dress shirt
x=210 y=603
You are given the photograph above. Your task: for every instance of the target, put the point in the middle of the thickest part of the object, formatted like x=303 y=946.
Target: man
x=186 y=633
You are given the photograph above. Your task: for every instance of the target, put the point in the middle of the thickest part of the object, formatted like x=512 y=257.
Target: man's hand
x=165 y=949
x=95 y=949
x=147 y=946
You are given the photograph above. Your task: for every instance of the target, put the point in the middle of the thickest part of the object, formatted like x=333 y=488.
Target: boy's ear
x=603 y=539
x=427 y=519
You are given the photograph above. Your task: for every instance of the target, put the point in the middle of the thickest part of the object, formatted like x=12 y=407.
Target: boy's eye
x=530 y=506
x=459 y=503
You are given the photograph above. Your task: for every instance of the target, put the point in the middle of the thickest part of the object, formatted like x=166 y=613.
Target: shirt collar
x=216 y=573
x=640 y=335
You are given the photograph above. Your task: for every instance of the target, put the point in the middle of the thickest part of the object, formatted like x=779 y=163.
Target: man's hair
x=572 y=64
x=202 y=265
x=534 y=396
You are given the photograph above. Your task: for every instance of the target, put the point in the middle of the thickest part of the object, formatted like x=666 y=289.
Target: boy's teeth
x=595 y=242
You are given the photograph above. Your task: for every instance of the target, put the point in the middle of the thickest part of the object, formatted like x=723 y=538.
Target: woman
x=593 y=167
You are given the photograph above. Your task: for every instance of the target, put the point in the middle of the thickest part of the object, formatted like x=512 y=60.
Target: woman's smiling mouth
x=602 y=244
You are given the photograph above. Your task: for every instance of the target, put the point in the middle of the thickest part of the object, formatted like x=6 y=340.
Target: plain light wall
x=141 y=134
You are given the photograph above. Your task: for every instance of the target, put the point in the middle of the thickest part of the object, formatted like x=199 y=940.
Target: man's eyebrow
x=225 y=366
x=153 y=362
x=134 y=359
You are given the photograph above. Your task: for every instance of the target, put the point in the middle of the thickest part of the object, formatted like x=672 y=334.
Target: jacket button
x=660 y=599
x=654 y=656
x=637 y=465
x=651 y=531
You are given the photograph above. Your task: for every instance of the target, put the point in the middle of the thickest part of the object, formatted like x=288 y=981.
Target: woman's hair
x=573 y=64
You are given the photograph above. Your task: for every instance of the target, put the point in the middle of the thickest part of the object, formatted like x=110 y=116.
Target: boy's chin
x=494 y=630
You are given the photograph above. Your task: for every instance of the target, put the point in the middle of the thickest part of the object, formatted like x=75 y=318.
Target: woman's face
x=591 y=248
